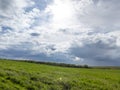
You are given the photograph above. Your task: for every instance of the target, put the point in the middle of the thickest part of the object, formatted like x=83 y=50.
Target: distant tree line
x=53 y=63
x=60 y=64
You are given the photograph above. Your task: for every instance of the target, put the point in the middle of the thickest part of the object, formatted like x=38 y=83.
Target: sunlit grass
x=15 y=75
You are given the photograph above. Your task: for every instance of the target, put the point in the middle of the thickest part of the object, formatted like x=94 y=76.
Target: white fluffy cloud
x=70 y=31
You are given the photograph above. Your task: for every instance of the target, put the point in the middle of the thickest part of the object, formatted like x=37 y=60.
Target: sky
x=63 y=31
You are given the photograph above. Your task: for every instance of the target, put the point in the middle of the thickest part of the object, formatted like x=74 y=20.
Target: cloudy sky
x=67 y=31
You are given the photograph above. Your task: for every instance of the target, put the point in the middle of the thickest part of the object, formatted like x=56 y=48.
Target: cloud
x=4 y=4
x=69 y=31
x=98 y=50
x=8 y=8
x=100 y=13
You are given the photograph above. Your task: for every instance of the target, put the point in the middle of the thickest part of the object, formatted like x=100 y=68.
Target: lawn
x=16 y=75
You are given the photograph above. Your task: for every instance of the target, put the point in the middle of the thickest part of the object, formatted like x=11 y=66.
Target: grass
x=15 y=75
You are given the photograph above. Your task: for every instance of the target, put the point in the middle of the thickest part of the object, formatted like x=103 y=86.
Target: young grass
x=15 y=75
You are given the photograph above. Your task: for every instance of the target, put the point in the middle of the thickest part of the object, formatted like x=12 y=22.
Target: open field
x=15 y=75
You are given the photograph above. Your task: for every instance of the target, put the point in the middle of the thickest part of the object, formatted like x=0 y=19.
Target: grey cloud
x=5 y=29
x=96 y=1
x=6 y=8
x=104 y=15
x=5 y=4
x=14 y=53
x=35 y=34
x=42 y=4
x=98 y=53
x=11 y=7
x=21 y=54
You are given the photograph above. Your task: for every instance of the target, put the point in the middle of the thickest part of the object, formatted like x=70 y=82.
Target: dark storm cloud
x=98 y=53
x=13 y=53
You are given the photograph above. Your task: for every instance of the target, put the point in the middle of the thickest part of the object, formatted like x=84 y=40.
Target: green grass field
x=15 y=75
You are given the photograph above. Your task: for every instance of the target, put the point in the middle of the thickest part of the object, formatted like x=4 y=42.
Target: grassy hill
x=16 y=75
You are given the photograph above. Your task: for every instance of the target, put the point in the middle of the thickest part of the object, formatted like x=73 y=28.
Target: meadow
x=17 y=75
